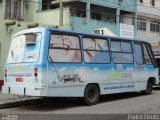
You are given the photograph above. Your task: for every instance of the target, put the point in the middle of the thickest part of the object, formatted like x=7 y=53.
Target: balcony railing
x=13 y=16
x=148 y=11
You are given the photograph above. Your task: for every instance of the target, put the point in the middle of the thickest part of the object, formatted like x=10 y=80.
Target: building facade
x=148 y=12
x=90 y=16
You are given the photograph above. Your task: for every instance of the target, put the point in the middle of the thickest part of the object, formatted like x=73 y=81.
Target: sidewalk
x=8 y=101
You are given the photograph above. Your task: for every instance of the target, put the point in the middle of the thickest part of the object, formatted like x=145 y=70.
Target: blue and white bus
x=50 y=62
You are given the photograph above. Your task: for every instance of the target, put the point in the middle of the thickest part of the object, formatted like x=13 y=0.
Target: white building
x=148 y=25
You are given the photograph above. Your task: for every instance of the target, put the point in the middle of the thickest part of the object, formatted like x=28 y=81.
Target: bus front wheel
x=149 y=88
x=91 y=94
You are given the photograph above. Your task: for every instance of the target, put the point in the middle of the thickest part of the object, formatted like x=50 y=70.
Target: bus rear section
x=22 y=73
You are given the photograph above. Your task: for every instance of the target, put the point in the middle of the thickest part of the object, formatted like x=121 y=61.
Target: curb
x=20 y=102
x=10 y=105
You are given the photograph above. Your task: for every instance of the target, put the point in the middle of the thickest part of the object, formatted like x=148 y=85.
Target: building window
x=140 y=1
x=81 y=13
x=141 y=25
x=110 y=18
x=96 y=16
x=46 y=5
x=155 y=27
x=13 y=9
x=152 y=2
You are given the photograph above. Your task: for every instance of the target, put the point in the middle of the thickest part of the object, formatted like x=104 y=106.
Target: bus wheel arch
x=149 y=87
x=91 y=94
x=153 y=80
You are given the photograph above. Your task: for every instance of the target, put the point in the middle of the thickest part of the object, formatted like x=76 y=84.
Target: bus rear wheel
x=91 y=94
x=149 y=88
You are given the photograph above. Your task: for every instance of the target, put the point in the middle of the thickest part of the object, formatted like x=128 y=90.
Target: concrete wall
x=148 y=10
x=129 y=5
x=51 y=17
x=31 y=11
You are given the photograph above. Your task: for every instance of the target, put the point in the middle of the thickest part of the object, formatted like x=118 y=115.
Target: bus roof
x=43 y=29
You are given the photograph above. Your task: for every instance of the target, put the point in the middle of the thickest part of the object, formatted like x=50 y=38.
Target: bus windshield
x=22 y=51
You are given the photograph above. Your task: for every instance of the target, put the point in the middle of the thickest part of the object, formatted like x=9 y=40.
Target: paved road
x=127 y=103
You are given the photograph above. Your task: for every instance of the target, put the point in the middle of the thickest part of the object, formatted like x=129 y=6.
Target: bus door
x=139 y=71
x=145 y=64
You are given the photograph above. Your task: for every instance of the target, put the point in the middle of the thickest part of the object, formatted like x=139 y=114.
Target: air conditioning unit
x=99 y=31
x=104 y=31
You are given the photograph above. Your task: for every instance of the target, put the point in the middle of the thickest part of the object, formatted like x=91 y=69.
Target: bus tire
x=91 y=94
x=149 y=88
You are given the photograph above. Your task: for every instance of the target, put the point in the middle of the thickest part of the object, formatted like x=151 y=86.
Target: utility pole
x=60 y=2
x=61 y=13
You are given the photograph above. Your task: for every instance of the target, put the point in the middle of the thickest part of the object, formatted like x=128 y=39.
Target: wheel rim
x=91 y=94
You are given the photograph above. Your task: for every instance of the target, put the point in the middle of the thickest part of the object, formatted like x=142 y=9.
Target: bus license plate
x=19 y=79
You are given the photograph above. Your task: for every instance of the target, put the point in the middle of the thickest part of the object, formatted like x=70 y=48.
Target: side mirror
x=158 y=61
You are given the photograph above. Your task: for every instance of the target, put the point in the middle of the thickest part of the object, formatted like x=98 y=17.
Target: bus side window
x=64 y=48
x=151 y=55
x=147 y=59
x=121 y=52
x=138 y=54
x=96 y=50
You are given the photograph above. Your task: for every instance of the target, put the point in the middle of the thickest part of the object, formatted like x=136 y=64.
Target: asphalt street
x=114 y=106
x=108 y=104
